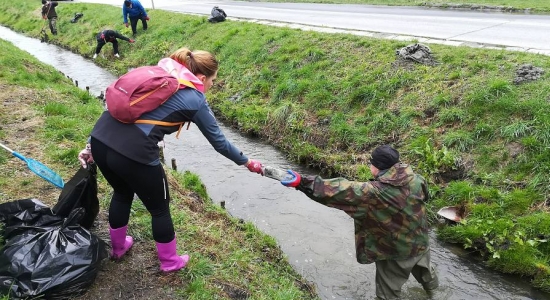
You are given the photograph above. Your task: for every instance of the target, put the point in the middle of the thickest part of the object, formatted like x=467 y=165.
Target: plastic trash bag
x=26 y=212
x=45 y=255
x=418 y=53
x=76 y=17
x=80 y=191
x=217 y=15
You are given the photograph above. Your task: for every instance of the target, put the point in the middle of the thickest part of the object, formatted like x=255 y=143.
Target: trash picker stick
x=38 y=168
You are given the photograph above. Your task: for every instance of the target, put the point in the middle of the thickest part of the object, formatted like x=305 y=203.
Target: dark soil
x=135 y=276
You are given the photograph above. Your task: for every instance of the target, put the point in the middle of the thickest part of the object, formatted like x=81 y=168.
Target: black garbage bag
x=16 y=215
x=76 y=17
x=57 y=259
x=217 y=15
x=80 y=191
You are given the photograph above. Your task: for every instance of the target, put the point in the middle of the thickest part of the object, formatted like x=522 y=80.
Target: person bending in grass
x=109 y=36
x=128 y=156
x=391 y=228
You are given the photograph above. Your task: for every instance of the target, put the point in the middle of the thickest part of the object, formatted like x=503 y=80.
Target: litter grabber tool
x=39 y=169
x=277 y=174
x=43 y=36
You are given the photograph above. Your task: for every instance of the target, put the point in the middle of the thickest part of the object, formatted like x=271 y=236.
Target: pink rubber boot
x=120 y=242
x=170 y=261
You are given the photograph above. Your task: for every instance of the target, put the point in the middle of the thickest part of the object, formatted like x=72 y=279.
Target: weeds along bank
x=46 y=117
x=328 y=99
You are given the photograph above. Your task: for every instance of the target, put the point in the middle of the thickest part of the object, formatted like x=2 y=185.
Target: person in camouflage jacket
x=49 y=13
x=389 y=214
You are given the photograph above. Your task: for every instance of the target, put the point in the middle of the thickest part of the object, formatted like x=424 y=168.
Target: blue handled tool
x=39 y=169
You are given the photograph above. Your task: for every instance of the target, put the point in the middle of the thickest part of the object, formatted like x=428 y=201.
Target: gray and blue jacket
x=139 y=142
x=135 y=11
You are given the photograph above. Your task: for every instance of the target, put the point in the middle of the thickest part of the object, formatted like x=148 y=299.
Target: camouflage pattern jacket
x=388 y=212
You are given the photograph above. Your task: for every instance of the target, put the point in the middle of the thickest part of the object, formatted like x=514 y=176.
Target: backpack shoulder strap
x=186 y=83
x=162 y=123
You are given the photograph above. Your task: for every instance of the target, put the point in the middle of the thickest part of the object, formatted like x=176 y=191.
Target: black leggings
x=134 y=21
x=128 y=177
x=101 y=42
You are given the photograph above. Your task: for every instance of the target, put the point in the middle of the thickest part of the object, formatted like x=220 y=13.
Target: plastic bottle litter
x=277 y=174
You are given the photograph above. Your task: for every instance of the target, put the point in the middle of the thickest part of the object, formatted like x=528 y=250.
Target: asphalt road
x=521 y=32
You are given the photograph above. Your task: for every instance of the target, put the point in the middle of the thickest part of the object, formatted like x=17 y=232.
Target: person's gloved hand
x=132 y=41
x=293 y=179
x=126 y=24
x=254 y=166
x=85 y=156
x=147 y=18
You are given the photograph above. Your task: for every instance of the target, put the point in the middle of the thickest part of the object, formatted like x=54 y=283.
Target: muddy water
x=318 y=240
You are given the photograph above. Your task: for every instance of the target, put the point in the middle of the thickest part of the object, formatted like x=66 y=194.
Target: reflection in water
x=318 y=240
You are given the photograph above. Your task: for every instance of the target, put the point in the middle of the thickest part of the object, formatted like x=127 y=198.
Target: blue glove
x=292 y=179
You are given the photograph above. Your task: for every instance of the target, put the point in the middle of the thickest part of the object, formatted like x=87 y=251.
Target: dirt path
x=136 y=276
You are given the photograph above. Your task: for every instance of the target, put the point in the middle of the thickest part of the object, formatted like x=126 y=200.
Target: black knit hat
x=384 y=157
x=44 y=1
x=127 y=3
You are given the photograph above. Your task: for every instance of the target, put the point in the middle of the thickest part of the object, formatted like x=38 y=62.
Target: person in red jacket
x=49 y=13
x=109 y=36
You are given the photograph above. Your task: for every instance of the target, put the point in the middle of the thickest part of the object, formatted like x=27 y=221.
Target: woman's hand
x=85 y=156
x=254 y=166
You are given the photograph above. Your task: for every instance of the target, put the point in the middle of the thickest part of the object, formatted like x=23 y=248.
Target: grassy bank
x=327 y=99
x=45 y=117
x=505 y=5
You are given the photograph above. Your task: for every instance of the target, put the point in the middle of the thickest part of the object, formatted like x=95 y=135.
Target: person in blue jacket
x=134 y=10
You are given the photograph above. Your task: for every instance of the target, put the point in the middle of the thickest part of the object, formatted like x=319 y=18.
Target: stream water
x=318 y=240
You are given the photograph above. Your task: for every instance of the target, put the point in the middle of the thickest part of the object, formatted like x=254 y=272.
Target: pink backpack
x=142 y=90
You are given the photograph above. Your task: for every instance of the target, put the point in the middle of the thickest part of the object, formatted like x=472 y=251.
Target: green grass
x=52 y=121
x=327 y=100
